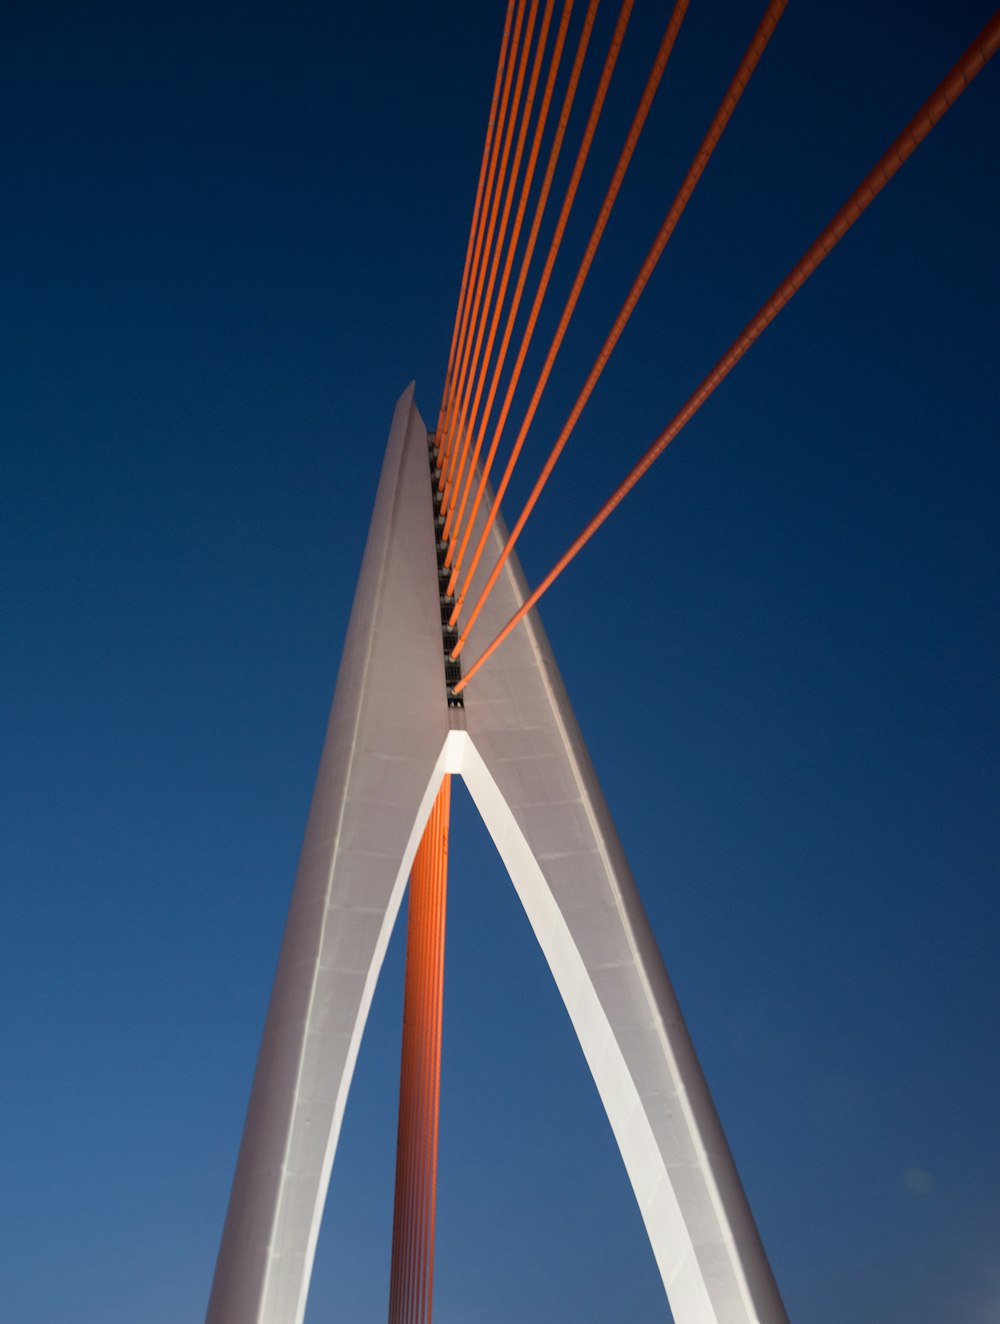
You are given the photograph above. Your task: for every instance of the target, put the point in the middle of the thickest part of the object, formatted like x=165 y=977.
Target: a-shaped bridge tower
x=392 y=737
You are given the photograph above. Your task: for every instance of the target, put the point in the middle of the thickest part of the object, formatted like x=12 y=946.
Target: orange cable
x=404 y=1145
x=568 y=98
x=476 y=207
x=722 y=116
x=583 y=151
x=435 y=989
x=491 y=180
x=478 y=310
x=409 y=1092
x=945 y=95
x=416 y=1177
x=508 y=49
x=511 y=249
x=500 y=247
x=625 y=157
x=420 y=904
x=443 y=430
x=442 y=866
x=413 y=1033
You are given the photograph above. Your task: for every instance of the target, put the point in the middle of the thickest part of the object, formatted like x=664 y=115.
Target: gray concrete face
x=518 y=746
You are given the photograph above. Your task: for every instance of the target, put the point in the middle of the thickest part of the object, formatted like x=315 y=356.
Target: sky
x=229 y=239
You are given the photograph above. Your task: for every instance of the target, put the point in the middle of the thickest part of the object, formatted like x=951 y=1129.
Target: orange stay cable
x=411 y=1275
x=491 y=184
x=638 y=121
x=511 y=249
x=583 y=151
x=529 y=250
x=491 y=181
x=722 y=116
x=489 y=248
x=494 y=102
x=945 y=95
x=489 y=252
x=502 y=246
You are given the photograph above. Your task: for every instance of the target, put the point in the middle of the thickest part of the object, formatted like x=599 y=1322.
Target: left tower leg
x=382 y=763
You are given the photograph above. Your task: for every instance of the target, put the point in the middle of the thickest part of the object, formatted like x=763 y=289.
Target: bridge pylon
x=392 y=737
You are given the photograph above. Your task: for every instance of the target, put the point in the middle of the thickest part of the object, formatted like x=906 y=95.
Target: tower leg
x=383 y=760
x=527 y=768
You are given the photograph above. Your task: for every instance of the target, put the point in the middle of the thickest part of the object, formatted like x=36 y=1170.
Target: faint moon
x=917 y=1181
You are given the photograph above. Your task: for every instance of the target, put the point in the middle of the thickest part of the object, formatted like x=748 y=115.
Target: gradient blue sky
x=230 y=237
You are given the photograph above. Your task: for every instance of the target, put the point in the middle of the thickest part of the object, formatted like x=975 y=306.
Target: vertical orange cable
x=529 y=249
x=610 y=197
x=437 y=1002
x=735 y=90
x=436 y=993
x=493 y=188
x=432 y=1091
x=506 y=247
x=494 y=102
x=491 y=250
x=411 y=1274
x=415 y=1100
x=425 y=909
x=931 y=112
x=529 y=175
x=408 y=1138
x=409 y=1120
x=491 y=184
x=442 y=865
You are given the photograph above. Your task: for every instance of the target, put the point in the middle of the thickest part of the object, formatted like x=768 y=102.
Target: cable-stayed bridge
x=447 y=671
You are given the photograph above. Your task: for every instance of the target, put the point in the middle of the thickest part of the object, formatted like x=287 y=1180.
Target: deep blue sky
x=229 y=238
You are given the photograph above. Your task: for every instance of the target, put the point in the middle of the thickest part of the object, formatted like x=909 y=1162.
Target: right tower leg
x=528 y=770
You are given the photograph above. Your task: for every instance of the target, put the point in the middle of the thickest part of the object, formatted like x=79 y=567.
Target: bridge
x=447 y=672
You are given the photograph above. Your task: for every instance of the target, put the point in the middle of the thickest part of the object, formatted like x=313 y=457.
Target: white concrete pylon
x=390 y=739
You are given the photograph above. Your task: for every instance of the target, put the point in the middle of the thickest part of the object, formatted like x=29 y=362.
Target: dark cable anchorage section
x=449 y=633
